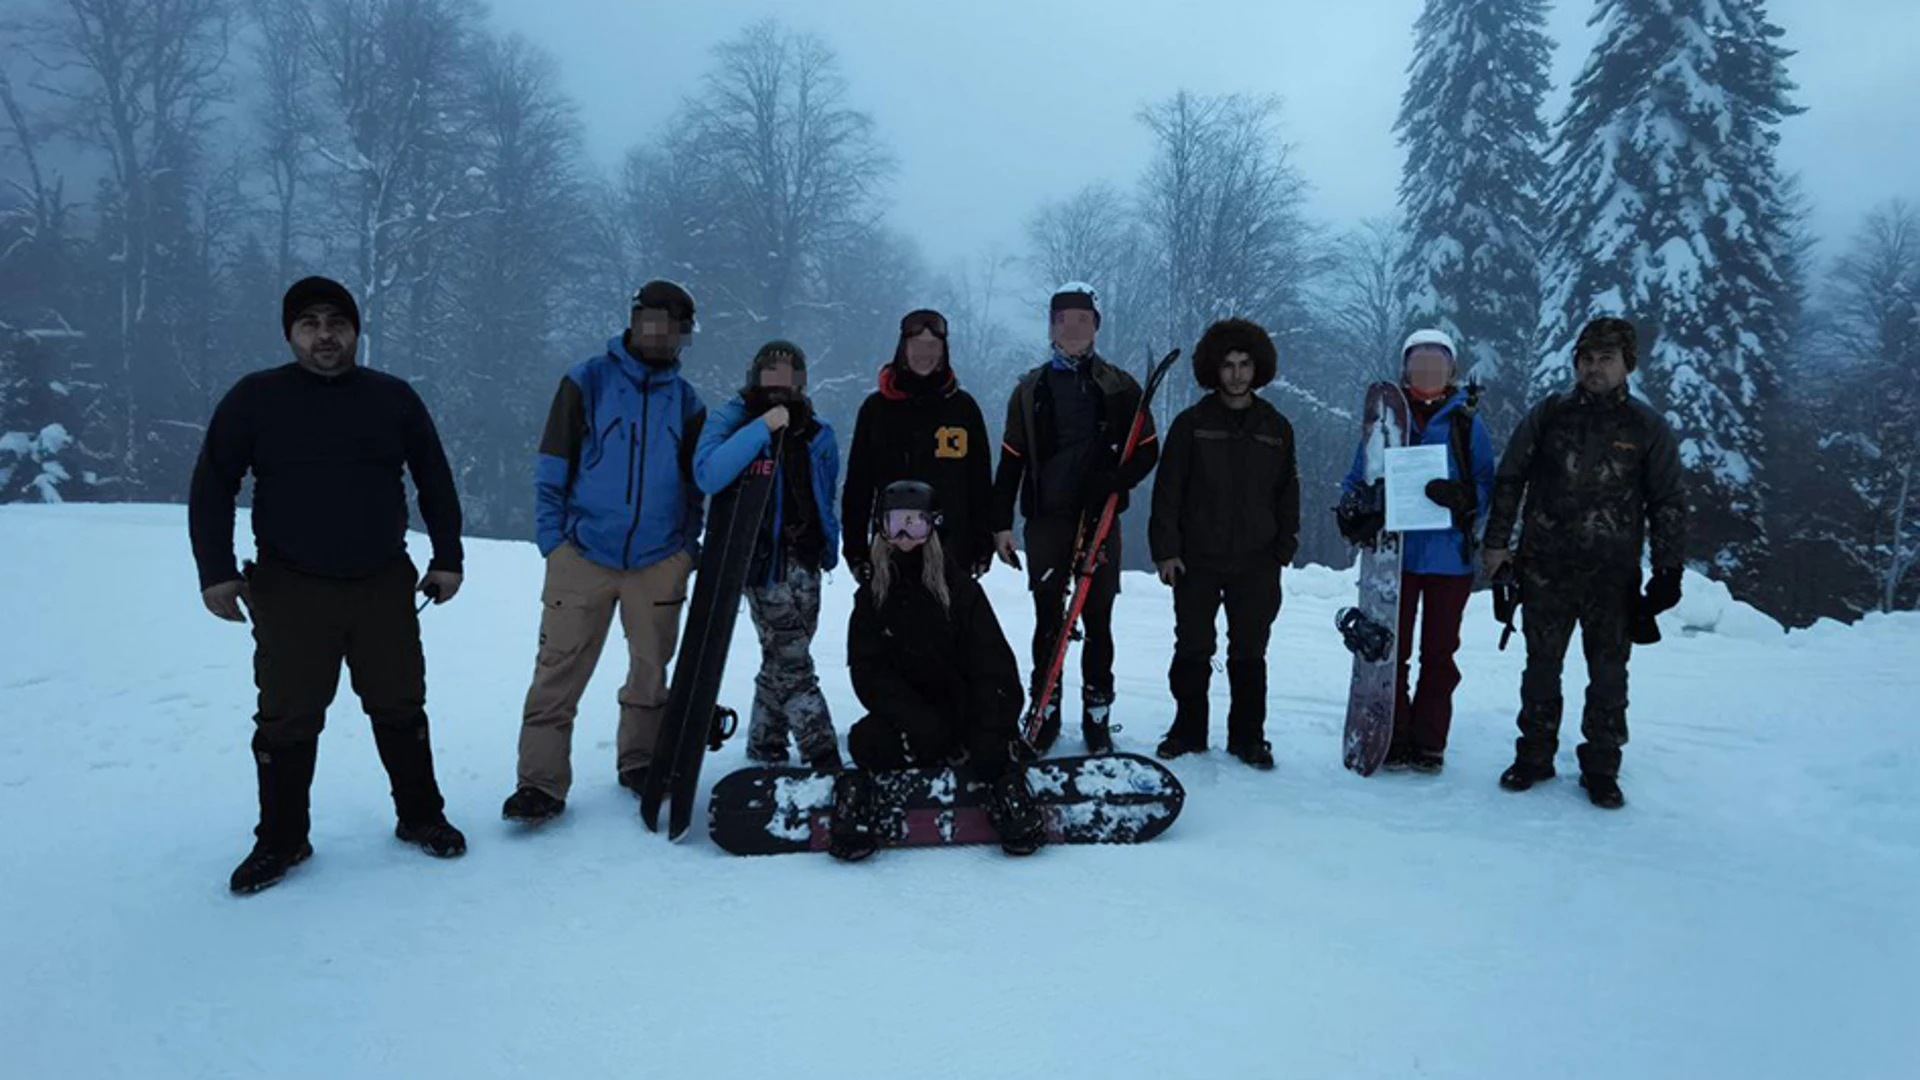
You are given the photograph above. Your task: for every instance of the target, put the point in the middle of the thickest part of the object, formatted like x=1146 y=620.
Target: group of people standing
x=630 y=452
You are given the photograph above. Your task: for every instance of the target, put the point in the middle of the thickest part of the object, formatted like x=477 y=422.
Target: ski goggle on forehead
x=911 y=524
x=926 y=320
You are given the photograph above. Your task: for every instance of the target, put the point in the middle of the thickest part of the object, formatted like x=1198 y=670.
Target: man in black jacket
x=1599 y=473
x=1226 y=520
x=1060 y=458
x=326 y=442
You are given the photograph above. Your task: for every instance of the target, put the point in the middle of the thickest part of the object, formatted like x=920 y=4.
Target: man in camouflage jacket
x=1593 y=474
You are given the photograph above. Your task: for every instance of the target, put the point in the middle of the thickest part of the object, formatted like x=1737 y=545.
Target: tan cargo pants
x=578 y=602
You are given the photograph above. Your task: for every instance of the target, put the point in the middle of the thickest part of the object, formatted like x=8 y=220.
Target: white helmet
x=1429 y=337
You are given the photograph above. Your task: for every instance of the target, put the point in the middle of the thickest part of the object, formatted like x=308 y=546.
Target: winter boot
x=1095 y=725
x=1399 y=758
x=531 y=806
x=1015 y=816
x=767 y=753
x=1523 y=774
x=825 y=761
x=853 y=835
x=1603 y=791
x=1429 y=762
x=436 y=837
x=1049 y=723
x=1255 y=752
x=634 y=779
x=285 y=775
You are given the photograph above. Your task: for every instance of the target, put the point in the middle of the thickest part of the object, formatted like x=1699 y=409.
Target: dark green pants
x=1554 y=601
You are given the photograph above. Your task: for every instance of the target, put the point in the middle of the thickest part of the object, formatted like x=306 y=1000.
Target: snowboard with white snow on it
x=1371 y=628
x=1109 y=799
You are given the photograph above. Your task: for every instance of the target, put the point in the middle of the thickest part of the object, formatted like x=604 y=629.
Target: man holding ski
x=1436 y=565
x=1060 y=458
x=799 y=540
x=920 y=425
x=1226 y=520
x=618 y=522
x=1594 y=474
x=327 y=442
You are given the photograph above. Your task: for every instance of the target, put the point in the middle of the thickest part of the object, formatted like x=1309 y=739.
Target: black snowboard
x=734 y=522
x=1109 y=799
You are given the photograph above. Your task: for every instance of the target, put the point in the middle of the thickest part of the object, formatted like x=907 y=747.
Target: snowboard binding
x=725 y=723
x=1361 y=515
x=1364 y=637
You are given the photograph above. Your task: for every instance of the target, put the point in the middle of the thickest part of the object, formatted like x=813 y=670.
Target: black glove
x=862 y=570
x=1455 y=495
x=983 y=564
x=1358 y=525
x=1663 y=592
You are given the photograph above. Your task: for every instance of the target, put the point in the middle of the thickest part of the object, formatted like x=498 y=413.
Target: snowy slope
x=1751 y=914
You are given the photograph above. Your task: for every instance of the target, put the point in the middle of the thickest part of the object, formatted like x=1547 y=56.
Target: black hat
x=769 y=354
x=908 y=495
x=1608 y=332
x=1075 y=295
x=1230 y=336
x=670 y=297
x=309 y=291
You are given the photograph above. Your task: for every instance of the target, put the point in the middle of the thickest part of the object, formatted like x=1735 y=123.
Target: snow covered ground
x=1752 y=913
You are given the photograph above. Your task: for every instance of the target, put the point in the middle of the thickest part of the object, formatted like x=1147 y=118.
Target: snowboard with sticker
x=1371 y=628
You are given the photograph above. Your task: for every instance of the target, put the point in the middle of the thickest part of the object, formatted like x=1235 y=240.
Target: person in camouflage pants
x=1598 y=475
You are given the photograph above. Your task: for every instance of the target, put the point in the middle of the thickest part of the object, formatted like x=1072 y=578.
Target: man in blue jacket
x=618 y=521
x=1437 y=565
x=800 y=541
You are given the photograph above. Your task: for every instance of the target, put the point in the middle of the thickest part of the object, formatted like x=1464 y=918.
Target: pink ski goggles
x=908 y=524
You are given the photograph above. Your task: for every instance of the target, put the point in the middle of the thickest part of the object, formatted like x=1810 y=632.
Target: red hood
x=891 y=390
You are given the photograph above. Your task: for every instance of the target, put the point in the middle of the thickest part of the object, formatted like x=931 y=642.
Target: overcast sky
x=992 y=106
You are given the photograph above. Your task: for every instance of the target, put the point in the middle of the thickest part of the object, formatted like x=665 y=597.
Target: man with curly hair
x=1226 y=520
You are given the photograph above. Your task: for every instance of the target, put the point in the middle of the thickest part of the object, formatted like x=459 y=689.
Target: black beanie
x=1072 y=297
x=767 y=357
x=309 y=291
x=668 y=296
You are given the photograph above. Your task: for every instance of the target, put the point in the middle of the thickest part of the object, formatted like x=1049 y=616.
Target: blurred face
x=655 y=332
x=923 y=352
x=323 y=339
x=907 y=529
x=779 y=373
x=1236 y=375
x=1073 y=331
x=1428 y=369
x=1602 y=371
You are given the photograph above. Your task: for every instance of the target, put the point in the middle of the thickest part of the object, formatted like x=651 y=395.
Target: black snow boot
x=1603 y=791
x=1523 y=774
x=285 y=775
x=1399 y=758
x=634 y=780
x=1429 y=762
x=1096 y=725
x=532 y=806
x=266 y=866
x=853 y=835
x=1049 y=723
x=435 y=836
x=1188 y=735
x=1255 y=752
x=1015 y=816
x=1178 y=745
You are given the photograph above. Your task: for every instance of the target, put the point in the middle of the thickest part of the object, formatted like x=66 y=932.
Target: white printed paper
x=1409 y=468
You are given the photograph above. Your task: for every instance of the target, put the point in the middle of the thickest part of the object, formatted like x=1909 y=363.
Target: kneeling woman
x=936 y=676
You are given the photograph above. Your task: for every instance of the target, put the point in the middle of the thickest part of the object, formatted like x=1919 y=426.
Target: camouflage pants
x=1552 y=603
x=787 y=692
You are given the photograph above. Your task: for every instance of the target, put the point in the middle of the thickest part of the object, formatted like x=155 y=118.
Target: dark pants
x=1552 y=603
x=879 y=742
x=1422 y=719
x=1050 y=576
x=303 y=628
x=1252 y=600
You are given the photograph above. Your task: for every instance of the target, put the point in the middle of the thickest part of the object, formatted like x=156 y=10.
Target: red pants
x=1422 y=719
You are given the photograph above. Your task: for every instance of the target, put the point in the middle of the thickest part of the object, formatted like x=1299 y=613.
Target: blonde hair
x=933 y=571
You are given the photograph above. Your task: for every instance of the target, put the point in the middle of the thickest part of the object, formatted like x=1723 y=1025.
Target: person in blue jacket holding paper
x=1437 y=565
x=799 y=541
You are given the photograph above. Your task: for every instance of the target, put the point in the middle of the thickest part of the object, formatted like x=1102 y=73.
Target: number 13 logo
x=950 y=442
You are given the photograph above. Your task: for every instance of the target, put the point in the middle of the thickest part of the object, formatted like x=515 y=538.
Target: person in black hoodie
x=936 y=675
x=919 y=425
x=1226 y=521
x=328 y=442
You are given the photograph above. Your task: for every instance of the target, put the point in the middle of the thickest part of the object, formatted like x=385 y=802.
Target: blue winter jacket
x=614 y=476
x=731 y=440
x=1437 y=551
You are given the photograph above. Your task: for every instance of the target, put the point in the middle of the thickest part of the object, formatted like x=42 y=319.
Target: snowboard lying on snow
x=1110 y=799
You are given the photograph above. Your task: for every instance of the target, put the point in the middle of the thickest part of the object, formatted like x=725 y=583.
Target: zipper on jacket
x=639 y=495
